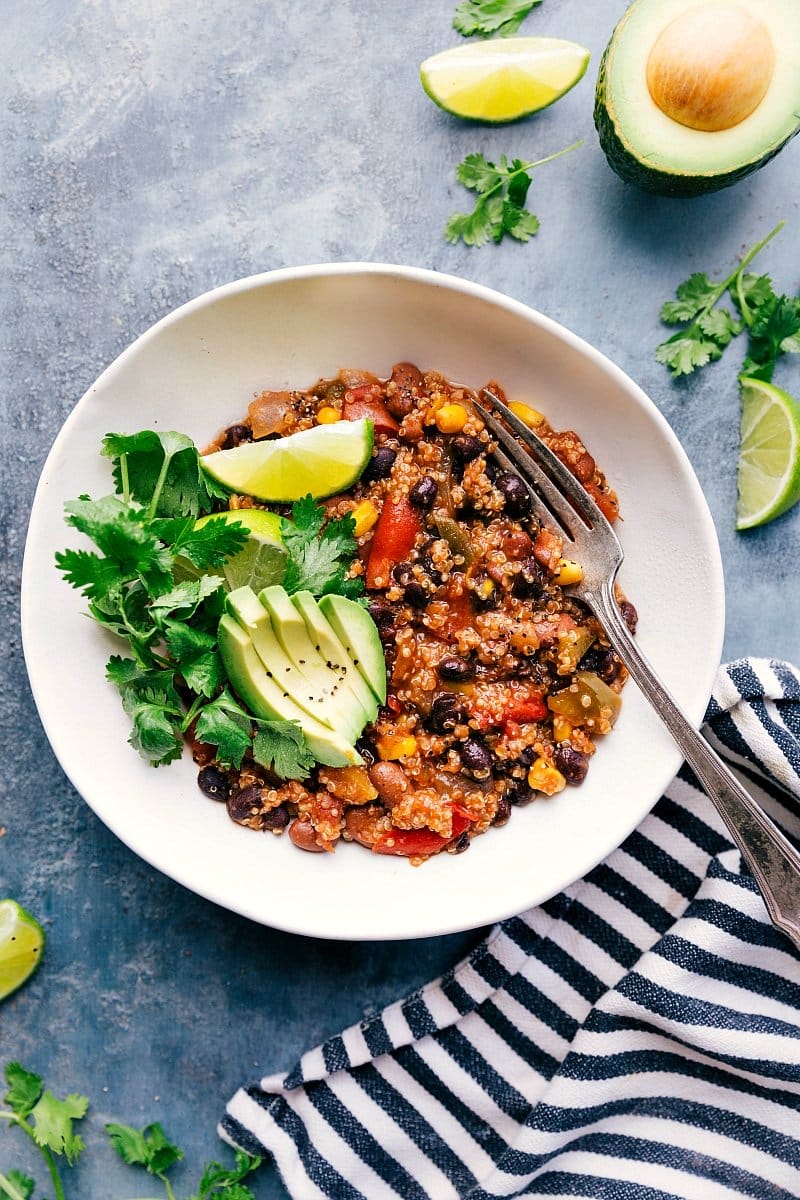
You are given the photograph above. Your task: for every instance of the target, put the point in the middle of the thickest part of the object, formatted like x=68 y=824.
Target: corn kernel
x=543 y=777
x=485 y=589
x=365 y=515
x=395 y=745
x=529 y=416
x=328 y=416
x=568 y=572
x=451 y=418
x=562 y=729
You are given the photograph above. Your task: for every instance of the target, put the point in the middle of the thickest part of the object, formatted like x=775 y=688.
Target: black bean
x=235 y=435
x=503 y=814
x=423 y=493
x=381 y=613
x=246 y=803
x=484 y=590
x=460 y=844
x=214 y=783
x=454 y=669
x=476 y=758
x=416 y=594
x=276 y=818
x=447 y=711
x=367 y=751
x=402 y=573
x=608 y=668
x=572 y=764
x=519 y=792
x=515 y=493
x=629 y=615
x=380 y=465
x=464 y=448
x=430 y=569
x=530 y=582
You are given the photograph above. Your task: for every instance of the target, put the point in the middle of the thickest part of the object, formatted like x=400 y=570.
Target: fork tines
x=551 y=482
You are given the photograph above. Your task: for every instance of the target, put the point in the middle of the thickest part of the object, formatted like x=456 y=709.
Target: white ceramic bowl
x=196 y=371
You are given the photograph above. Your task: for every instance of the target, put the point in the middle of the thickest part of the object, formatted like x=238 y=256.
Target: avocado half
x=649 y=148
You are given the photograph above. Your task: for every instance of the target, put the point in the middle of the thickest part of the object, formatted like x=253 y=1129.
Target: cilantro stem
x=529 y=167
x=15 y=1119
x=736 y=278
x=9 y=1188
x=123 y=472
x=162 y=475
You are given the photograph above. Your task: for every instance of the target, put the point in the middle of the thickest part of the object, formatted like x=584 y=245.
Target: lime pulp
x=320 y=461
x=503 y=79
x=769 y=453
x=262 y=560
x=21 y=944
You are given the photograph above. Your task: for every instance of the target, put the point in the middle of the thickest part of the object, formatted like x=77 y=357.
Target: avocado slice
x=693 y=95
x=264 y=697
x=330 y=647
x=318 y=690
x=358 y=633
x=291 y=631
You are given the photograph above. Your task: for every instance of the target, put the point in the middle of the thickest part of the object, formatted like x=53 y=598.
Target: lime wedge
x=505 y=79
x=21 y=945
x=323 y=460
x=769 y=454
x=262 y=560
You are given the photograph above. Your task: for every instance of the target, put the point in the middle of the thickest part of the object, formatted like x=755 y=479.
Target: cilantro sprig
x=50 y=1124
x=152 y=582
x=488 y=17
x=502 y=192
x=771 y=321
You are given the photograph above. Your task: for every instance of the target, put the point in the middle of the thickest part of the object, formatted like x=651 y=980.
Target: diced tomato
x=393 y=540
x=362 y=402
x=460 y=610
x=605 y=501
x=413 y=843
x=532 y=708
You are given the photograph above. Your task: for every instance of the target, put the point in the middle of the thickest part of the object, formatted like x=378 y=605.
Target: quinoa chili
x=499 y=680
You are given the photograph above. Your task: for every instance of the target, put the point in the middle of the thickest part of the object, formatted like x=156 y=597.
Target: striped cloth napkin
x=635 y=1038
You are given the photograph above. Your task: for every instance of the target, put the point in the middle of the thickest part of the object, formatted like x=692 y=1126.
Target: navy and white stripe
x=635 y=1038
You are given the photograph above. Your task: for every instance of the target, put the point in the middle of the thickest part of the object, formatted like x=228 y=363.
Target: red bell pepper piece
x=362 y=402
x=412 y=843
x=393 y=540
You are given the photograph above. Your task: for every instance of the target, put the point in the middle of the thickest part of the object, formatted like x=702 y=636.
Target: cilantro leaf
x=281 y=746
x=185 y=597
x=708 y=330
x=156 y=732
x=196 y=656
x=694 y=295
x=53 y=1124
x=22 y=1185
x=148 y=1147
x=217 y=540
x=773 y=331
x=24 y=1089
x=224 y=1183
x=502 y=190
x=88 y=572
x=224 y=724
x=162 y=471
x=487 y=17
x=319 y=555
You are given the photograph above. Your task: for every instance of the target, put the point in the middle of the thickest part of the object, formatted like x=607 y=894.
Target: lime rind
x=22 y=941
x=505 y=80
x=320 y=461
x=769 y=454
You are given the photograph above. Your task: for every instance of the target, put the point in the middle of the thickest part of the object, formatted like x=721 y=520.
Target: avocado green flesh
x=358 y=633
x=292 y=633
x=330 y=647
x=264 y=697
x=319 y=691
x=646 y=147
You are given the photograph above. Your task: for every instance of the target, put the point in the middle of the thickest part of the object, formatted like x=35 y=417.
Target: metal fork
x=564 y=506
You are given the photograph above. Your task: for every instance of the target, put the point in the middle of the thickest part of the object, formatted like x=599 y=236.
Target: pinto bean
x=390 y=781
x=304 y=837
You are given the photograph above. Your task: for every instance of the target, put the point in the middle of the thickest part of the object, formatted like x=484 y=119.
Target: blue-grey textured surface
x=151 y=150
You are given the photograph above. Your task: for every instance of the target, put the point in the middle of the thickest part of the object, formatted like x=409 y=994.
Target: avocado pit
x=711 y=67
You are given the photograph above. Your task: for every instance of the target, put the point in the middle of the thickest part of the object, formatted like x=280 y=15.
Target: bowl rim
x=447 y=282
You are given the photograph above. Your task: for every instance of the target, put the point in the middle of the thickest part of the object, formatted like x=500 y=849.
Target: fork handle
x=771 y=857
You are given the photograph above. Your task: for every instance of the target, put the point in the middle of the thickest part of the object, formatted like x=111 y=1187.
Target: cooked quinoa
x=499 y=679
